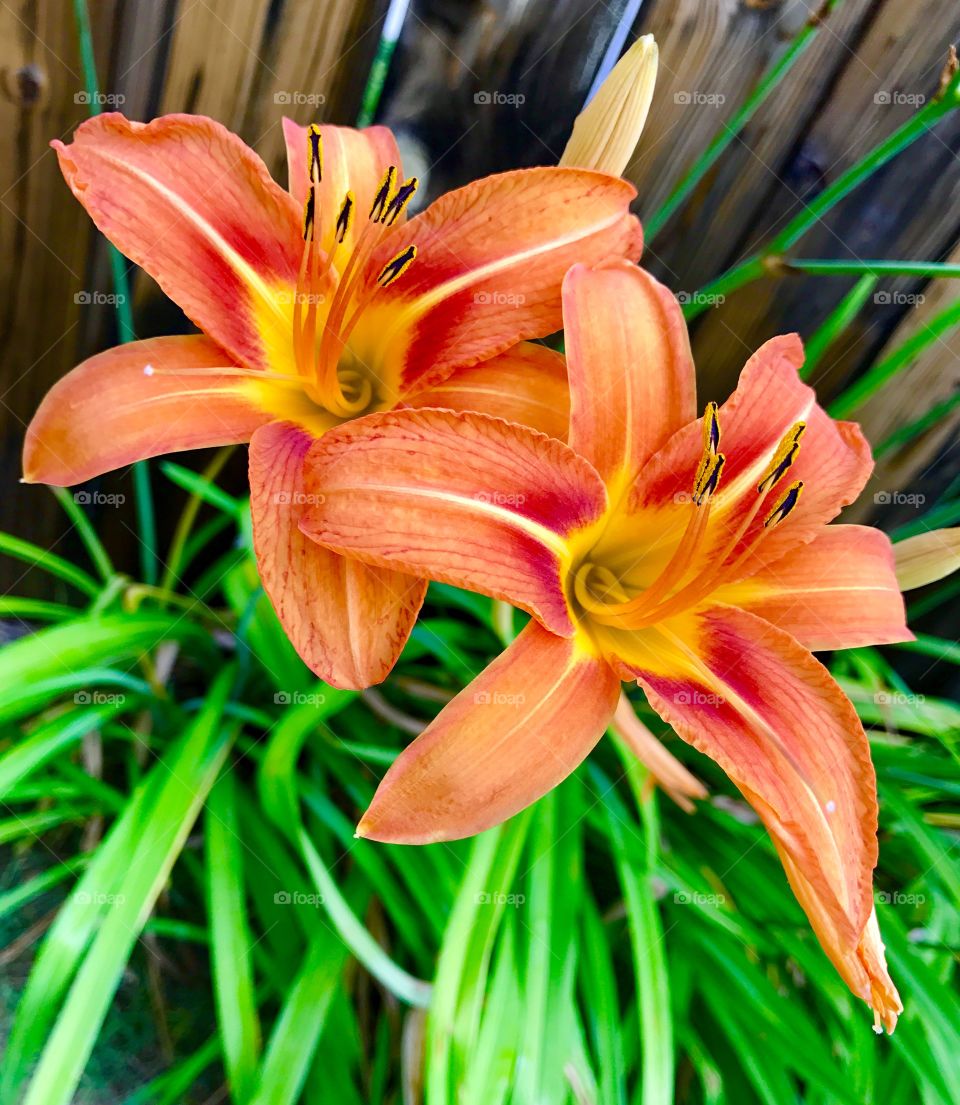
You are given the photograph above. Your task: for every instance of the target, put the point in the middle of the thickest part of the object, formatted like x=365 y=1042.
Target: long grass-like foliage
x=178 y=802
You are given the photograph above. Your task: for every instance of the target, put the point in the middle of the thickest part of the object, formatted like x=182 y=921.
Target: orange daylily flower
x=316 y=305
x=692 y=556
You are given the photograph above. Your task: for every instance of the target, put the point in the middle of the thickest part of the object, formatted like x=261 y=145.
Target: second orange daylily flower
x=691 y=556
x=317 y=305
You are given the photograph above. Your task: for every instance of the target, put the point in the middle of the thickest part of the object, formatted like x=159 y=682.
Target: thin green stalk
x=771 y=257
x=188 y=518
x=88 y=535
x=920 y=425
x=929 y=269
x=768 y=83
x=836 y=323
x=146 y=515
x=884 y=371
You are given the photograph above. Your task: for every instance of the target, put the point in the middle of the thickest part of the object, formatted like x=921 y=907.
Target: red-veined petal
x=862 y=967
x=349 y=622
x=353 y=161
x=457 y=497
x=490 y=261
x=838 y=591
x=753 y=699
x=632 y=380
x=108 y=412
x=527 y=385
x=514 y=733
x=195 y=207
x=833 y=461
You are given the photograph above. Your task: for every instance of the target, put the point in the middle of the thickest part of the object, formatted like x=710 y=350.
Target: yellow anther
x=379 y=204
x=783 y=458
x=309 y=216
x=345 y=218
x=399 y=201
x=707 y=484
x=314 y=153
x=394 y=269
x=711 y=429
x=785 y=505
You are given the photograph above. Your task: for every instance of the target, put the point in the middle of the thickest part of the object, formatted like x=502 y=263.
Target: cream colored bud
x=606 y=132
x=927 y=557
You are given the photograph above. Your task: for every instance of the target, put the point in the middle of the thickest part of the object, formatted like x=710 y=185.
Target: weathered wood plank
x=717 y=214
x=906 y=473
x=44 y=236
x=897 y=62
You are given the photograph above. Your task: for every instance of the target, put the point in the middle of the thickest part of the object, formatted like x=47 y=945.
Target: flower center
x=320 y=348
x=605 y=596
x=329 y=375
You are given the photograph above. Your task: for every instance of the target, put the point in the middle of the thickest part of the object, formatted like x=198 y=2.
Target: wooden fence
x=479 y=87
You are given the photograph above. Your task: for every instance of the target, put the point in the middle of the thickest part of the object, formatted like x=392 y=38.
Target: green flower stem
x=836 y=323
x=772 y=258
x=146 y=515
x=884 y=371
x=907 y=433
x=768 y=84
x=188 y=517
x=930 y=269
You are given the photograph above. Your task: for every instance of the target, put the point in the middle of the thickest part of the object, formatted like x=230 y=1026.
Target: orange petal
x=457 y=497
x=514 y=733
x=833 y=462
x=196 y=208
x=527 y=385
x=632 y=380
x=348 y=622
x=668 y=771
x=927 y=557
x=490 y=261
x=838 y=591
x=751 y=698
x=862 y=967
x=353 y=161
x=108 y=412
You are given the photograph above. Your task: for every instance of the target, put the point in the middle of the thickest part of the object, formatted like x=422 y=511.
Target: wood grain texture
x=929 y=462
x=908 y=209
x=44 y=240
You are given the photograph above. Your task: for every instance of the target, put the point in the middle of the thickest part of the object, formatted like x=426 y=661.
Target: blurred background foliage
x=185 y=915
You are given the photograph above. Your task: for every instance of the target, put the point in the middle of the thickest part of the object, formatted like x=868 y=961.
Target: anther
x=315 y=153
x=345 y=218
x=783 y=458
x=786 y=504
x=309 y=215
x=379 y=204
x=399 y=201
x=711 y=478
x=394 y=269
x=711 y=428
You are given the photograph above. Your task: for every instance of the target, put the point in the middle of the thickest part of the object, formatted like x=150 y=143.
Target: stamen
x=711 y=428
x=783 y=458
x=711 y=442
x=395 y=268
x=786 y=504
x=345 y=218
x=379 y=204
x=309 y=216
x=711 y=478
x=399 y=201
x=315 y=153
